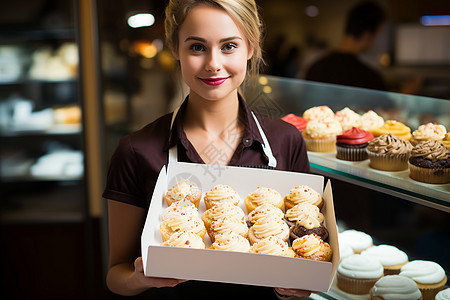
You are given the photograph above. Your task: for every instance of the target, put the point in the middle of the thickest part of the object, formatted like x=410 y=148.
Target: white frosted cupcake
x=219 y=211
x=227 y=224
x=231 y=241
x=303 y=194
x=219 y=194
x=184 y=239
x=263 y=195
x=443 y=295
x=428 y=132
x=357 y=274
x=320 y=135
x=358 y=240
x=370 y=121
x=180 y=207
x=429 y=276
x=318 y=113
x=390 y=257
x=298 y=212
x=262 y=211
x=395 y=287
x=348 y=118
x=268 y=226
x=272 y=245
x=183 y=189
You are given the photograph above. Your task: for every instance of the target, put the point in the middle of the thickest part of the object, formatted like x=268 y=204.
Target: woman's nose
x=213 y=62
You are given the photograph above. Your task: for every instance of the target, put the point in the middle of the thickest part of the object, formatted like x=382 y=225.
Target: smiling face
x=213 y=54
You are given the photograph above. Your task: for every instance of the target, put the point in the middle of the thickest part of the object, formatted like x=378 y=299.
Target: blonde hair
x=243 y=12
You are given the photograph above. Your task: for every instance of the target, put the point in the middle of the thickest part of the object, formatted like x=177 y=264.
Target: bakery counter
x=397 y=184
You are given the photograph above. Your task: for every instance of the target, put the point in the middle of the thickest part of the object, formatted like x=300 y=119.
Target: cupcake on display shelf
x=395 y=287
x=348 y=118
x=389 y=256
x=357 y=240
x=394 y=127
x=388 y=152
x=318 y=113
x=430 y=162
x=351 y=145
x=320 y=135
x=371 y=121
x=428 y=132
x=298 y=122
x=443 y=295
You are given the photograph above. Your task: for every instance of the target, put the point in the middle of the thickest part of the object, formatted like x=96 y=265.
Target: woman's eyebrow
x=196 y=38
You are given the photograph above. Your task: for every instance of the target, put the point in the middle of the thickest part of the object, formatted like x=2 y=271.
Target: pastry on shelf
x=388 y=152
x=428 y=132
x=320 y=135
x=430 y=162
x=395 y=287
x=357 y=240
x=394 y=127
x=318 y=113
x=351 y=145
x=348 y=118
x=389 y=256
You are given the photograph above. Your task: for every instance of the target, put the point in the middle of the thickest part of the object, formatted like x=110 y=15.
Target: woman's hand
x=292 y=292
x=152 y=281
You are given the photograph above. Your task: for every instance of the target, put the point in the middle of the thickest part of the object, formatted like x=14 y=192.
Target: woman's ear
x=175 y=54
x=251 y=50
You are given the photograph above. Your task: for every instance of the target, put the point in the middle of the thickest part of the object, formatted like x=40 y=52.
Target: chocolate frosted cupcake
x=430 y=162
x=351 y=144
x=308 y=226
x=388 y=152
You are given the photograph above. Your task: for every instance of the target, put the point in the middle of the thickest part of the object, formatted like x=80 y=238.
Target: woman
x=214 y=41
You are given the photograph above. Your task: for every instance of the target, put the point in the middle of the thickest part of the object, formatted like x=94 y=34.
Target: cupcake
x=184 y=189
x=227 y=224
x=262 y=211
x=268 y=226
x=396 y=128
x=352 y=144
x=320 y=135
x=318 y=113
x=219 y=194
x=371 y=121
x=390 y=257
x=303 y=194
x=263 y=195
x=231 y=241
x=312 y=247
x=181 y=207
x=181 y=222
x=429 y=276
x=272 y=245
x=298 y=122
x=297 y=212
x=428 y=132
x=357 y=274
x=395 y=287
x=348 y=118
x=443 y=295
x=219 y=211
x=430 y=162
x=184 y=239
x=344 y=250
x=308 y=223
x=388 y=152
x=358 y=240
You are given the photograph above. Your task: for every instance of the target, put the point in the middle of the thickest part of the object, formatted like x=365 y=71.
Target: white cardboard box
x=235 y=267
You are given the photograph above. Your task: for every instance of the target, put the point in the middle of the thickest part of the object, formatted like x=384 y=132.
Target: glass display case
x=389 y=206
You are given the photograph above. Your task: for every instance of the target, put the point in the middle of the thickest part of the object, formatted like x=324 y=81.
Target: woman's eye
x=197 y=47
x=229 y=47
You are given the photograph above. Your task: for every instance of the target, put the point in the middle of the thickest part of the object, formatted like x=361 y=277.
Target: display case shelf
x=278 y=97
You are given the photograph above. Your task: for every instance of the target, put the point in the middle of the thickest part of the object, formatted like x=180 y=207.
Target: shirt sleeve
x=122 y=182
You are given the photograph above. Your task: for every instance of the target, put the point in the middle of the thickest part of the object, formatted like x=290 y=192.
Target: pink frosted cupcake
x=320 y=135
x=352 y=144
x=298 y=122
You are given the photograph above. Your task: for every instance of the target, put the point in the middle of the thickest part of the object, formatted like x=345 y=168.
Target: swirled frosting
x=270 y=225
x=423 y=271
x=358 y=240
x=432 y=150
x=309 y=245
x=180 y=207
x=302 y=194
x=348 y=118
x=271 y=245
x=183 y=222
x=264 y=195
x=298 y=122
x=321 y=128
x=389 y=144
x=185 y=239
x=222 y=192
x=182 y=189
x=299 y=211
x=387 y=255
x=318 y=113
x=359 y=266
x=430 y=131
x=371 y=120
x=397 y=128
x=443 y=295
x=354 y=136
x=231 y=241
x=264 y=210
x=226 y=209
x=229 y=223
x=308 y=220
x=395 y=287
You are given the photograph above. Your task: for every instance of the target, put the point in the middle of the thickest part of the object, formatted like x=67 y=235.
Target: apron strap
x=266 y=146
x=173 y=152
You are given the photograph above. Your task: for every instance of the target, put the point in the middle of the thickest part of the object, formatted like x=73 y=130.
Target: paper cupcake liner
x=321 y=145
x=429 y=175
x=388 y=162
x=357 y=286
x=429 y=291
x=351 y=154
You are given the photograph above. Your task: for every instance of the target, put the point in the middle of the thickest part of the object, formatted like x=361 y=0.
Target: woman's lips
x=214 y=81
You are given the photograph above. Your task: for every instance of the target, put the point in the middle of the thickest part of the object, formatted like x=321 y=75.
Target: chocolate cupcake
x=352 y=144
x=430 y=162
x=308 y=223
